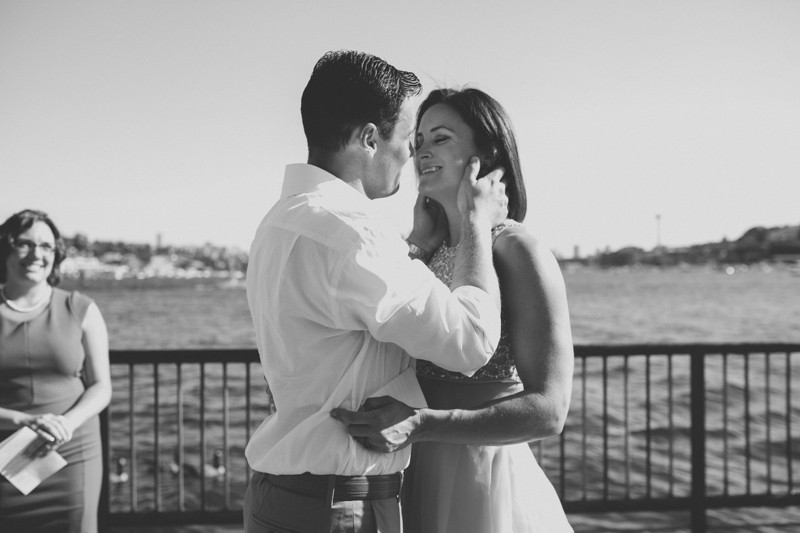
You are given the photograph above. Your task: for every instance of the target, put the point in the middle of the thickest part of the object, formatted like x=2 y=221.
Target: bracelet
x=415 y=252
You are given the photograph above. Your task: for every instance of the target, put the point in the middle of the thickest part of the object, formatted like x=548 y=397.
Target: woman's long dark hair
x=494 y=136
x=20 y=222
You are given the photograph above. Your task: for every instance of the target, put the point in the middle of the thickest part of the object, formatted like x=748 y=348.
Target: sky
x=639 y=121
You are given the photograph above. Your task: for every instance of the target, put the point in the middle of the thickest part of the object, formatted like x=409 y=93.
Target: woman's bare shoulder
x=517 y=244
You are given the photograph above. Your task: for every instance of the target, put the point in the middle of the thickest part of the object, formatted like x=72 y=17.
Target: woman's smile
x=429 y=170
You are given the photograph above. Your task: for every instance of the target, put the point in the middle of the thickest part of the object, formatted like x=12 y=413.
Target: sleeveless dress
x=456 y=488
x=41 y=364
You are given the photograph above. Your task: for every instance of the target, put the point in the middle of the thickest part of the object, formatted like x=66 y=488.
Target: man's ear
x=368 y=138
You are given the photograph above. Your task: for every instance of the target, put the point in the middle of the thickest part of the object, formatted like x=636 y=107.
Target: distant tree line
x=756 y=245
x=207 y=255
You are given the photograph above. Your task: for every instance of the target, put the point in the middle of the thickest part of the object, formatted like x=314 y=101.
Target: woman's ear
x=493 y=153
x=488 y=162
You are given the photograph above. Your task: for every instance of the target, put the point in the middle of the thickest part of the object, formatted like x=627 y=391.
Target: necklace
x=20 y=309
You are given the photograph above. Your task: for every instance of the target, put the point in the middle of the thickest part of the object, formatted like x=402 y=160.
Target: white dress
x=456 y=488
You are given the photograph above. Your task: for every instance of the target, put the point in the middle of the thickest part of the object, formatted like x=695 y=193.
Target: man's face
x=392 y=154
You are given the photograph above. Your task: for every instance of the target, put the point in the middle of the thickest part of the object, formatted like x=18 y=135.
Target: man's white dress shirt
x=338 y=308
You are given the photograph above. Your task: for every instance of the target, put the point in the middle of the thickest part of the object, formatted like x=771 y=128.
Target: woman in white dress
x=472 y=469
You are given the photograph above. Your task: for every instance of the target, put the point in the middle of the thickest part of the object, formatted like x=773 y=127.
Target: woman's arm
x=11 y=418
x=98 y=374
x=535 y=306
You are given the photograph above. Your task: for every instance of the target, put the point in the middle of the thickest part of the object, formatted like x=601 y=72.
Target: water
x=606 y=307
x=196 y=316
x=683 y=306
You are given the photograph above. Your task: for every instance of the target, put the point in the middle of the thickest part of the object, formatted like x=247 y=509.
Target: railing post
x=104 y=510
x=698 y=436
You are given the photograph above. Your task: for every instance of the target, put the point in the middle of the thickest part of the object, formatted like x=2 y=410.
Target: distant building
x=160 y=266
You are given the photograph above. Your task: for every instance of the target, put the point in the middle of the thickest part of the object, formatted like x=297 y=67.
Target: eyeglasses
x=24 y=247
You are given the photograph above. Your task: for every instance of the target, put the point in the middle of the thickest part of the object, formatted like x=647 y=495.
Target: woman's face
x=444 y=145
x=32 y=255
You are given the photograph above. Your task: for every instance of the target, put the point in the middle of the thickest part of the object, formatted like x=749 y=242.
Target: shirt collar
x=301 y=178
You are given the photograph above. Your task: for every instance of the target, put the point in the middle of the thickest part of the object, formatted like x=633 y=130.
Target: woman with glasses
x=54 y=377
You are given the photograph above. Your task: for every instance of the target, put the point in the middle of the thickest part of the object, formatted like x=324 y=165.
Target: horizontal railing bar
x=752 y=500
x=702 y=349
x=250 y=355
x=232 y=355
x=165 y=518
x=679 y=503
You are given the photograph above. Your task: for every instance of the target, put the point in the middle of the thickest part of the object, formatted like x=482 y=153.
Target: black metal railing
x=651 y=427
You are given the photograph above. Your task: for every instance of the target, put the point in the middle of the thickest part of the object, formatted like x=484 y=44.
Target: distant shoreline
x=155 y=283
x=228 y=282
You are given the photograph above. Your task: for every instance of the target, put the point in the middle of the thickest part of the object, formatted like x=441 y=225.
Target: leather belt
x=340 y=488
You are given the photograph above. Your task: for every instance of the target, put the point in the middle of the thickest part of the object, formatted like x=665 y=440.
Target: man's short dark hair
x=348 y=89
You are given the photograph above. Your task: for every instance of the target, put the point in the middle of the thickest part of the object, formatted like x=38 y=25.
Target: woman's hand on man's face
x=486 y=196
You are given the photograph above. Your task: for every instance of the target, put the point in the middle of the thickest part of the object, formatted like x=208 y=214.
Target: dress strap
x=78 y=304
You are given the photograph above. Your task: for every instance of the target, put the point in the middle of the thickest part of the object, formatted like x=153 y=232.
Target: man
x=340 y=308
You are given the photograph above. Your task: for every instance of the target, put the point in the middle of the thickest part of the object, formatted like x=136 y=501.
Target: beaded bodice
x=501 y=366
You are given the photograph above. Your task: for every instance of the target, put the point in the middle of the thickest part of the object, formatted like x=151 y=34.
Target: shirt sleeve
x=399 y=300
